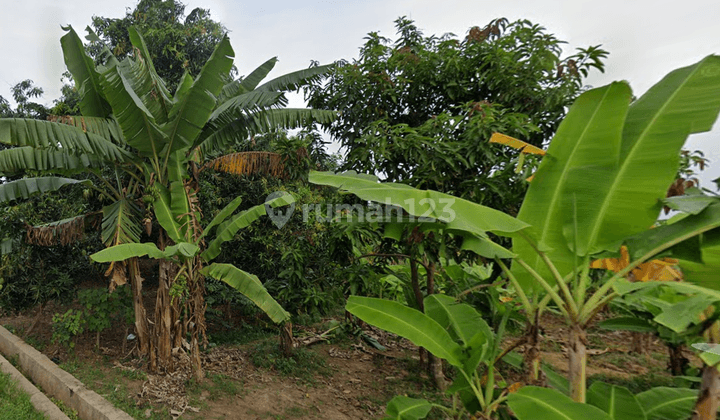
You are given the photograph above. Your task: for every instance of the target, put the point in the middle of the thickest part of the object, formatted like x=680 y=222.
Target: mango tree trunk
x=577 y=355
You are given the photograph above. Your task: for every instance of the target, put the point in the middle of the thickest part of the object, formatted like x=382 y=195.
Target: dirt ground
x=355 y=382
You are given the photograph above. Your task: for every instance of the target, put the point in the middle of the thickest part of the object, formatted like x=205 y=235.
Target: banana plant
x=149 y=141
x=601 y=181
x=605 y=402
x=454 y=332
x=190 y=255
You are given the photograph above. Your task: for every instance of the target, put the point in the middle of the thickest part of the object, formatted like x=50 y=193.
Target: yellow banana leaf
x=655 y=270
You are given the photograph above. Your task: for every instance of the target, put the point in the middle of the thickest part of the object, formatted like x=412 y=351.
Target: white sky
x=646 y=39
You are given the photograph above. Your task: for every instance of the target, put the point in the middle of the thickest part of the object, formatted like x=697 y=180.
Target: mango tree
x=149 y=141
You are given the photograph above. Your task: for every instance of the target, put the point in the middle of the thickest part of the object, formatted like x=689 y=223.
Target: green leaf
x=406 y=408
x=409 y=323
x=248 y=83
x=457 y=214
x=138 y=125
x=533 y=403
x=555 y=380
x=684 y=102
x=628 y=323
x=588 y=139
x=464 y=323
x=124 y=251
x=617 y=401
x=121 y=223
x=180 y=209
x=222 y=215
x=668 y=403
x=155 y=95
x=692 y=204
x=59 y=137
x=164 y=214
x=191 y=111
x=616 y=190
x=87 y=79
x=28 y=187
x=295 y=80
x=250 y=286
x=681 y=315
x=227 y=230
x=683 y=236
x=229 y=129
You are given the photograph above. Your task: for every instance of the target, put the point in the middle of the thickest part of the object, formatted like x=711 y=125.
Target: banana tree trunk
x=706 y=406
x=577 y=354
x=162 y=334
x=142 y=330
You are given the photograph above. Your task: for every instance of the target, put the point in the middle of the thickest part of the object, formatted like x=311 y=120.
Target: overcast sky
x=646 y=39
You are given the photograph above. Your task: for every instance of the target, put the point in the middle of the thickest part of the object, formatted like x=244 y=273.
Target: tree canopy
x=420 y=109
x=176 y=42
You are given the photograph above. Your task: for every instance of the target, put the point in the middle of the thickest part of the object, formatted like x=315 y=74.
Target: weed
x=72 y=414
x=14 y=403
x=303 y=364
x=218 y=387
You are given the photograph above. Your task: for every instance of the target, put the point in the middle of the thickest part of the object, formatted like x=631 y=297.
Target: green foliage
x=67 y=326
x=303 y=264
x=23 y=93
x=176 y=42
x=605 y=402
x=103 y=310
x=303 y=364
x=419 y=109
x=452 y=331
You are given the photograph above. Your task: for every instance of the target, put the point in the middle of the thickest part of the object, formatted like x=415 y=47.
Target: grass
x=14 y=403
x=304 y=364
x=216 y=386
x=109 y=383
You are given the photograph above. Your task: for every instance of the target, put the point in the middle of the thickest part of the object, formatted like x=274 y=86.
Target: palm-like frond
x=295 y=80
x=250 y=286
x=27 y=187
x=248 y=83
x=192 y=109
x=50 y=135
x=137 y=123
x=219 y=137
x=121 y=223
x=18 y=160
x=106 y=128
x=155 y=95
x=249 y=163
x=87 y=79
